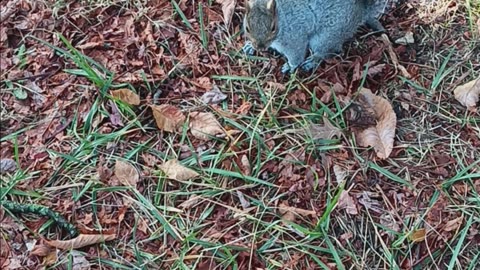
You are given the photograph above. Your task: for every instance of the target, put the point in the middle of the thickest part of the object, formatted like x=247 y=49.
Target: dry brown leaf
x=126 y=95
x=346 y=202
x=468 y=94
x=417 y=235
x=288 y=212
x=40 y=250
x=194 y=199
x=204 y=125
x=228 y=8
x=82 y=240
x=168 y=117
x=213 y=96
x=453 y=224
x=380 y=137
x=126 y=173
x=326 y=131
x=174 y=170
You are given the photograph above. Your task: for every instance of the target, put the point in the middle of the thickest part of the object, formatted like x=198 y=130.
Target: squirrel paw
x=286 y=68
x=310 y=64
x=248 y=48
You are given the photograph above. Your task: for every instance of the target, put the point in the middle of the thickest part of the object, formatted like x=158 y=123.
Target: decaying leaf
x=213 y=96
x=453 y=224
x=126 y=95
x=126 y=173
x=381 y=136
x=203 y=125
x=346 y=202
x=417 y=235
x=194 y=199
x=340 y=172
x=325 y=131
x=174 y=170
x=468 y=94
x=82 y=240
x=228 y=7
x=168 y=117
x=288 y=212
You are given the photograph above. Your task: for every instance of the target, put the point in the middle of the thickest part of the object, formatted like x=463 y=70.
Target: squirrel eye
x=274 y=27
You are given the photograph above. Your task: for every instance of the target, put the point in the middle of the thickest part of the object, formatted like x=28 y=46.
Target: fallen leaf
x=174 y=170
x=381 y=136
x=417 y=235
x=79 y=261
x=126 y=173
x=372 y=71
x=214 y=96
x=204 y=125
x=325 y=131
x=453 y=224
x=346 y=202
x=40 y=250
x=194 y=199
x=228 y=8
x=340 y=173
x=126 y=95
x=468 y=94
x=406 y=39
x=80 y=241
x=288 y=212
x=168 y=117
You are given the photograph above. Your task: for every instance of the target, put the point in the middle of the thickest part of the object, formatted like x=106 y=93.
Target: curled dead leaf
x=382 y=135
x=346 y=202
x=168 y=117
x=40 y=250
x=204 y=125
x=228 y=8
x=126 y=173
x=468 y=94
x=174 y=170
x=126 y=95
x=82 y=240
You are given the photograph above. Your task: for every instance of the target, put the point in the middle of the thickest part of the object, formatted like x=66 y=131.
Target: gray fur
x=322 y=26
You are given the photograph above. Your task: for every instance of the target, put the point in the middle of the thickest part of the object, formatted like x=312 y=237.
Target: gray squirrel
x=292 y=26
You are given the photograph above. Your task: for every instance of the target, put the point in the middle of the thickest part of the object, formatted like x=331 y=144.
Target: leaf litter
x=159 y=50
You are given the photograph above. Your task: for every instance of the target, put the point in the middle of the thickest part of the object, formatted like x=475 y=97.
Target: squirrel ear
x=271 y=4
x=250 y=4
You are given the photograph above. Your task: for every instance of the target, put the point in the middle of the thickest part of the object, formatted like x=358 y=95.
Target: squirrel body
x=293 y=26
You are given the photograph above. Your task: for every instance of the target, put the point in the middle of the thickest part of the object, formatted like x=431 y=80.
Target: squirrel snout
x=260 y=46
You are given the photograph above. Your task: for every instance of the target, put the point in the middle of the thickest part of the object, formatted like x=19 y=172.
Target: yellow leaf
x=126 y=173
x=126 y=95
x=168 y=117
x=382 y=135
x=203 y=125
x=174 y=170
x=417 y=235
x=80 y=241
x=468 y=94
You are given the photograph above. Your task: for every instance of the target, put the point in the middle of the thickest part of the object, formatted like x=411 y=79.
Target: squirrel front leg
x=295 y=54
x=322 y=46
x=248 y=48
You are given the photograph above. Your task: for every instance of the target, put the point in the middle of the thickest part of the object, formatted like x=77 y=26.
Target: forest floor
x=143 y=122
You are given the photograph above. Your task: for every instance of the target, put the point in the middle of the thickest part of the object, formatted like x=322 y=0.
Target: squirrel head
x=260 y=23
